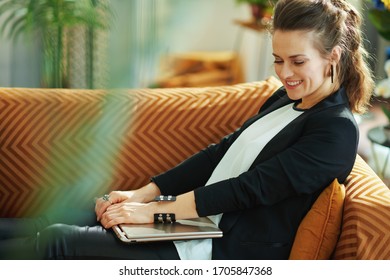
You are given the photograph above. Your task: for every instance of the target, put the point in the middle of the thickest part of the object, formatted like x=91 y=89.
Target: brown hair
x=335 y=23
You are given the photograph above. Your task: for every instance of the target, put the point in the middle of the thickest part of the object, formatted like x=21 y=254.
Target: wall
x=19 y=63
x=150 y=29
x=5 y=62
x=204 y=25
x=200 y=25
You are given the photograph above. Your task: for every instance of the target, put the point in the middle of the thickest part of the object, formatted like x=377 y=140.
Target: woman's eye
x=299 y=62
x=278 y=61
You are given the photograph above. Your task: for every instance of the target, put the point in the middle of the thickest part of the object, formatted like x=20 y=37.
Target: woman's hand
x=128 y=212
x=132 y=212
x=113 y=198
x=142 y=195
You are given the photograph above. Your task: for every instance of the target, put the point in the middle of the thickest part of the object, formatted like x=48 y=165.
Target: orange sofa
x=66 y=146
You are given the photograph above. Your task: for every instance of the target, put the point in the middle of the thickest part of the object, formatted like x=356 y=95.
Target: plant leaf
x=381 y=21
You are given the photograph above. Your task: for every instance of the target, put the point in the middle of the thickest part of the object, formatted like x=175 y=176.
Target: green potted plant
x=260 y=9
x=379 y=15
x=48 y=20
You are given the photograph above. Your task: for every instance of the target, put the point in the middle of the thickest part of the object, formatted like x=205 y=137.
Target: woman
x=265 y=176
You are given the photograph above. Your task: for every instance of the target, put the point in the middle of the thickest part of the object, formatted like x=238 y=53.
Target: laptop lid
x=180 y=230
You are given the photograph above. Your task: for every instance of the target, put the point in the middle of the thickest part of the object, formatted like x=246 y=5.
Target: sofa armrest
x=365 y=232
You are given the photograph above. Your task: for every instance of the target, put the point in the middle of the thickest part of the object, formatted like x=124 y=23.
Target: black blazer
x=264 y=206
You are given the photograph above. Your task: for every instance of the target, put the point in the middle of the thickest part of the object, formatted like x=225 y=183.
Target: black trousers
x=72 y=234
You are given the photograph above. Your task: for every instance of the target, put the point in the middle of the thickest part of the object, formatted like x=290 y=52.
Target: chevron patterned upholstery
x=365 y=232
x=62 y=146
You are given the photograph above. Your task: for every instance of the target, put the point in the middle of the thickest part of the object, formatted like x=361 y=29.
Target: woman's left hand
x=128 y=212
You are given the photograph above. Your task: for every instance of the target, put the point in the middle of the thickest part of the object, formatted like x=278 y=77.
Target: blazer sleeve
x=326 y=150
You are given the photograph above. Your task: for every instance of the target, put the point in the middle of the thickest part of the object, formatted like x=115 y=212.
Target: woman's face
x=299 y=65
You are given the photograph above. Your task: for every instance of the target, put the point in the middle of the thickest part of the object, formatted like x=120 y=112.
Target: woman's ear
x=335 y=56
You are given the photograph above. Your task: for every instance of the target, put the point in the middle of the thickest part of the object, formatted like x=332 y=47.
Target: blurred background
x=135 y=43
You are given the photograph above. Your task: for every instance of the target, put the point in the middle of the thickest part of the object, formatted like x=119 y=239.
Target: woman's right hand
x=142 y=195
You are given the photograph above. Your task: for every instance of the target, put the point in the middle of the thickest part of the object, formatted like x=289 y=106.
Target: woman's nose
x=285 y=71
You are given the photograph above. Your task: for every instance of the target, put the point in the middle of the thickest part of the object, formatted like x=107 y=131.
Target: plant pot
x=386 y=131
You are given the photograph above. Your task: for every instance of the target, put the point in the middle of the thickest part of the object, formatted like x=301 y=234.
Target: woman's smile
x=293 y=84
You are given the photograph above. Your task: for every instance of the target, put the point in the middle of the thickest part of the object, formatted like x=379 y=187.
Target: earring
x=331 y=73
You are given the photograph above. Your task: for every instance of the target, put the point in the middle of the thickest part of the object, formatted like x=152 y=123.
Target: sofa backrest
x=65 y=146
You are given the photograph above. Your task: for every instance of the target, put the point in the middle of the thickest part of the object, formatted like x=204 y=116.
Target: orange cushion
x=319 y=231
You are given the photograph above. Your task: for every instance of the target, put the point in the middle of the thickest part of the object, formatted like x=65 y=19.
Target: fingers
x=131 y=213
x=110 y=220
x=117 y=207
x=115 y=197
x=112 y=198
x=106 y=200
x=116 y=214
x=101 y=206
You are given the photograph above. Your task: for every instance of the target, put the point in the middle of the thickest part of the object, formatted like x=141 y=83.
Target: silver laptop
x=180 y=230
